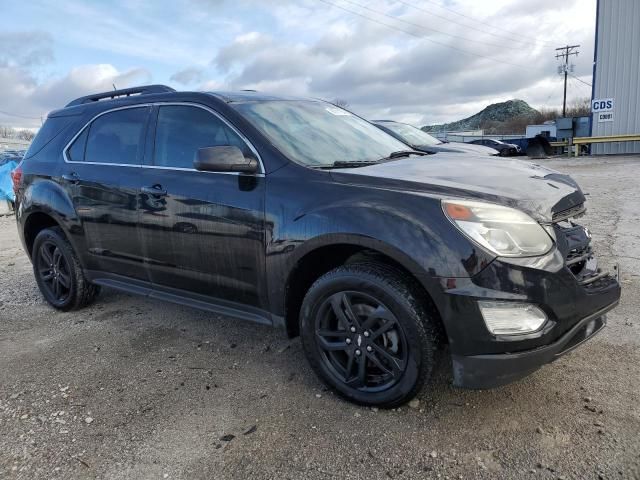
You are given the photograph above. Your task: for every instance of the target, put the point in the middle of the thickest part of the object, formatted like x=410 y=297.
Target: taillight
x=16 y=176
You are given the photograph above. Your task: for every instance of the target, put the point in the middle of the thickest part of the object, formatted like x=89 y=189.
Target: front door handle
x=71 y=177
x=155 y=190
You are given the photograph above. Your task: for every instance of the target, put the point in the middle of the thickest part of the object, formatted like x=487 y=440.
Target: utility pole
x=566 y=52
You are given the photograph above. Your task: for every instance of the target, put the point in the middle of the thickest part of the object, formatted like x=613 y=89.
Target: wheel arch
x=46 y=204
x=321 y=255
x=33 y=225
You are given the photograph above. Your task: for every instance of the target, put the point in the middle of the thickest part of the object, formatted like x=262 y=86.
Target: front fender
x=407 y=227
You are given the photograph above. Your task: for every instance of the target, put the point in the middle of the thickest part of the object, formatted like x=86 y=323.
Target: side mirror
x=224 y=158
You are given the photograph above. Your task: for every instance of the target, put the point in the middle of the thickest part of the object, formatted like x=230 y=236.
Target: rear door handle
x=71 y=177
x=155 y=190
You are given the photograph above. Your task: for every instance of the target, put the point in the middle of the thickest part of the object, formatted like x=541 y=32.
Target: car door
x=203 y=232
x=102 y=170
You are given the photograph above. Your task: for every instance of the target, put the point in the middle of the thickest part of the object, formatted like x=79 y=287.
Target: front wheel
x=367 y=335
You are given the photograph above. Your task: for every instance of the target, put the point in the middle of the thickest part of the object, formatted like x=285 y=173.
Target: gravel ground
x=130 y=388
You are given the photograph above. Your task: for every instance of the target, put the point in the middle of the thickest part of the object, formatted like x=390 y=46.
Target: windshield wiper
x=364 y=163
x=350 y=164
x=404 y=153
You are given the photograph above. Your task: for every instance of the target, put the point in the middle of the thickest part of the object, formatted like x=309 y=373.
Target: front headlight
x=505 y=231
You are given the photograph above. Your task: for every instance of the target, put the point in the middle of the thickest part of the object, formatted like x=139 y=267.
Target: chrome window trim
x=86 y=125
x=261 y=173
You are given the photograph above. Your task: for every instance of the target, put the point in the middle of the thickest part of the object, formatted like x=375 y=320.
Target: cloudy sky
x=420 y=61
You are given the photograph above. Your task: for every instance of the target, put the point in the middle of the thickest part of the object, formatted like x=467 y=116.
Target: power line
x=393 y=27
x=482 y=22
x=497 y=35
x=19 y=116
x=422 y=27
x=580 y=80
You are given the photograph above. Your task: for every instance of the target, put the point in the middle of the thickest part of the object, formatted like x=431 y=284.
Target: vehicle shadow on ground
x=166 y=326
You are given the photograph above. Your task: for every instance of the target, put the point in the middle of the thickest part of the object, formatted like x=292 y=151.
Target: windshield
x=317 y=133
x=410 y=134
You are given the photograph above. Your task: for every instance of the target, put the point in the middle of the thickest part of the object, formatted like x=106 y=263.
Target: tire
x=55 y=263
x=369 y=298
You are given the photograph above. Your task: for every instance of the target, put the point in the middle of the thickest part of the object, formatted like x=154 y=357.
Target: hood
x=532 y=188
x=458 y=147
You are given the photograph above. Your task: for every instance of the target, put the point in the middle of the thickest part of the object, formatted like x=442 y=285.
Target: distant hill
x=493 y=116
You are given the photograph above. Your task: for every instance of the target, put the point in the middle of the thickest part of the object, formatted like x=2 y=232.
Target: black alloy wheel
x=54 y=272
x=58 y=272
x=361 y=341
x=368 y=334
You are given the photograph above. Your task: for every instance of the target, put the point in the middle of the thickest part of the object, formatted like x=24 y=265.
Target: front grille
x=573 y=212
x=575 y=242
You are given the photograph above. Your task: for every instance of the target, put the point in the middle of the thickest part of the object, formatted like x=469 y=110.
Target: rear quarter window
x=75 y=152
x=52 y=127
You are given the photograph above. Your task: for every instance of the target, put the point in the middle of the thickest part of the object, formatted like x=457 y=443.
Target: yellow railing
x=577 y=141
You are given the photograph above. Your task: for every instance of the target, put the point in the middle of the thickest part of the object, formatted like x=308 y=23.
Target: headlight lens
x=505 y=231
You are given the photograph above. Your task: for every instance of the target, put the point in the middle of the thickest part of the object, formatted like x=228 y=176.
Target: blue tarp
x=6 y=184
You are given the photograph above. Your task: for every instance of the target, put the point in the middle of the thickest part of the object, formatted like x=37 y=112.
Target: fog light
x=511 y=318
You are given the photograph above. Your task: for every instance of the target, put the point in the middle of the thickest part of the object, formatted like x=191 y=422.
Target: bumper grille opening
x=573 y=212
x=577 y=258
x=596 y=280
x=575 y=240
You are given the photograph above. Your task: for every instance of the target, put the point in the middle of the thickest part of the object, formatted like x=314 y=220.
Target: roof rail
x=125 y=92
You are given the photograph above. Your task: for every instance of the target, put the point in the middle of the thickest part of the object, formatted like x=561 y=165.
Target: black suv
x=299 y=214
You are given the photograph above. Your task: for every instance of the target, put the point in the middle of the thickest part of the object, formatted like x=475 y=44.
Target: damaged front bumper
x=494 y=370
x=567 y=284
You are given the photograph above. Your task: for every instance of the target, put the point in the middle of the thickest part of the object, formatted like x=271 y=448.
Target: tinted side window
x=117 y=137
x=76 y=150
x=51 y=128
x=182 y=130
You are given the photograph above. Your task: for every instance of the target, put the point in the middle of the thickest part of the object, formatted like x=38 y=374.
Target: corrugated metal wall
x=617 y=71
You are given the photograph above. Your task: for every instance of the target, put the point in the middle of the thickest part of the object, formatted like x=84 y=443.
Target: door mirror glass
x=224 y=158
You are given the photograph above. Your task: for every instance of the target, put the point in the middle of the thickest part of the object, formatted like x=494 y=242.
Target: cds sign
x=602 y=105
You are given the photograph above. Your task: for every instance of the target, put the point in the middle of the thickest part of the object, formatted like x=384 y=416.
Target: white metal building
x=616 y=74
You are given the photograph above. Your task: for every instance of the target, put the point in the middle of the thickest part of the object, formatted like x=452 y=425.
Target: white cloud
x=409 y=60
x=22 y=95
x=188 y=76
x=428 y=77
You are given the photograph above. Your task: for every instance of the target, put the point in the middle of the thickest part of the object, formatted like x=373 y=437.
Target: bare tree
x=25 y=135
x=580 y=107
x=340 y=102
x=6 y=132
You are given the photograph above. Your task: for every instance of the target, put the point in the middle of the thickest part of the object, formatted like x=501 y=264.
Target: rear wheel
x=58 y=272
x=367 y=335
